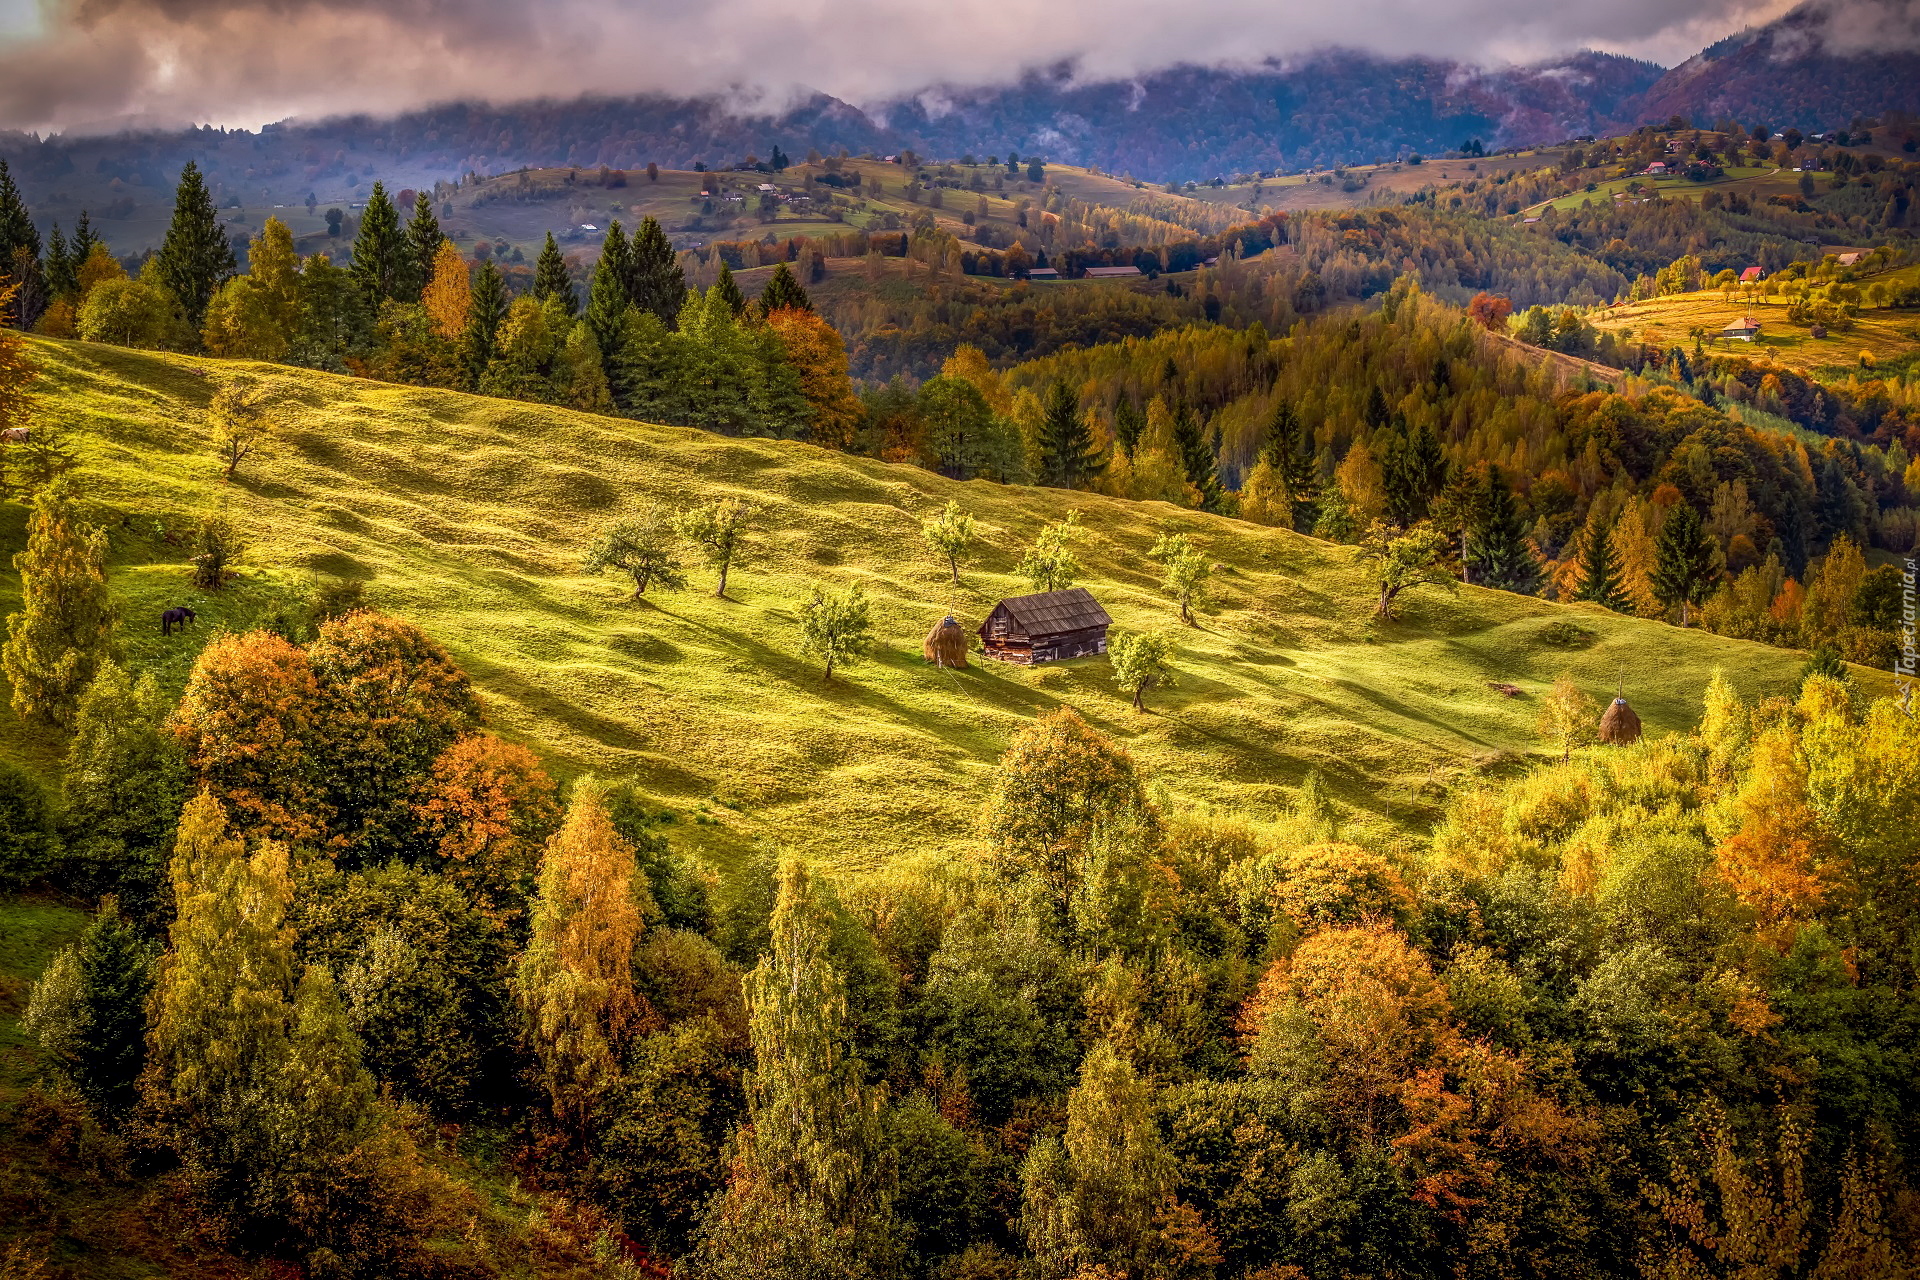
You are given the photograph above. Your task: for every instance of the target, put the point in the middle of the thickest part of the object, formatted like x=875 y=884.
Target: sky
x=91 y=64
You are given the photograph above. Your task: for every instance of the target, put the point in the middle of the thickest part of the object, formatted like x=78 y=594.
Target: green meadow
x=468 y=516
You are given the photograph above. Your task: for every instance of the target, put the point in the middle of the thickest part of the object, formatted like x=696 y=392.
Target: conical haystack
x=947 y=644
x=1620 y=727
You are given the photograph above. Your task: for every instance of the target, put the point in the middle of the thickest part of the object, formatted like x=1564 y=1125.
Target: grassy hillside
x=467 y=515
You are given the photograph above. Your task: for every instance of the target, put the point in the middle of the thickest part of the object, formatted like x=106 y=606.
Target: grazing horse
x=16 y=435
x=176 y=618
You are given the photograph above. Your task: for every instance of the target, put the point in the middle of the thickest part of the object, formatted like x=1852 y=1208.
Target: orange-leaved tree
x=486 y=811
x=814 y=349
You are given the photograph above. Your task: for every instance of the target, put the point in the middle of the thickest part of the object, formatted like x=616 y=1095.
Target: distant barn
x=1046 y=627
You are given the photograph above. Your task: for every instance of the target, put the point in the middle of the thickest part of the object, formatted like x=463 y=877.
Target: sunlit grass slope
x=468 y=516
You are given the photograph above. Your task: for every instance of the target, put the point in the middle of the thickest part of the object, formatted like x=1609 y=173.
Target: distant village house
x=1746 y=328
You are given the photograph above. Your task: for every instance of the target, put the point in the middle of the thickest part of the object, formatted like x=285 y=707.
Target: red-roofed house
x=1750 y=275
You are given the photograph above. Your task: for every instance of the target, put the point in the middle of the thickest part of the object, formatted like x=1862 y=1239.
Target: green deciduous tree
x=1049 y=563
x=1141 y=664
x=1187 y=572
x=1403 y=561
x=719 y=530
x=644 y=546
x=949 y=535
x=835 y=627
x=124 y=784
x=242 y=426
x=56 y=643
x=1568 y=717
x=90 y=1010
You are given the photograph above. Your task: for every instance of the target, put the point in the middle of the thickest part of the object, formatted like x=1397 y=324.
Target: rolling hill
x=468 y=515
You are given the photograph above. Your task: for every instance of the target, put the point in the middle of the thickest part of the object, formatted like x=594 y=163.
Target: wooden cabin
x=1048 y=627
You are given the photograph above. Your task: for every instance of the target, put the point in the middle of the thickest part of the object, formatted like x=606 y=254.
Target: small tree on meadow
x=1568 y=717
x=719 y=530
x=241 y=424
x=835 y=627
x=644 y=546
x=1049 y=563
x=949 y=535
x=1141 y=664
x=1187 y=573
x=216 y=545
x=1401 y=562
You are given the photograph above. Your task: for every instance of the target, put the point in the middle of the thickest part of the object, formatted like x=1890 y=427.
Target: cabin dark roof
x=1056 y=612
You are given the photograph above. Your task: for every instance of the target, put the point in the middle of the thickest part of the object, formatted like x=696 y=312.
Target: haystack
x=946 y=644
x=1620 y=727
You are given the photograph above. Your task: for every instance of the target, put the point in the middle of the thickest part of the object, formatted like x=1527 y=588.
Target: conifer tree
x=56 y=643
x=1068 y=455
x=379 y=251
x=1685 y=560
x=1497 y=539
x=83 y=240
x=16 y=224
x=1128 y=423
x=124 y=782
x=63 y=268
x=1196 y=456
x=550 y=278
x=1600 y=568
x=655 y=281
x=783 y=290
x=417 y=256
x=1289 y=447
x=195 y=258
x=574 y=982
x=485 y=314
x=608 y=300
x=110 y=1044
x=730 y=290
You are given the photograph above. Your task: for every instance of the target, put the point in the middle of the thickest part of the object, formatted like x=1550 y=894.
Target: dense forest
x=1645 y=1011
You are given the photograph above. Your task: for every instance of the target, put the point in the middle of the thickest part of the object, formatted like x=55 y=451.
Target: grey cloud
x=244 y=62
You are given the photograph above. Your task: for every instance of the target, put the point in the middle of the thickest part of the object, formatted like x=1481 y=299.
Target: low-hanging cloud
x=88 y=63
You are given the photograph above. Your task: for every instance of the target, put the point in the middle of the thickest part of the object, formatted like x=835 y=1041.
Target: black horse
x=177 y=618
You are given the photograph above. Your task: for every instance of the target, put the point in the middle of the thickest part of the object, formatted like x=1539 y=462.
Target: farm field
x=468 y=516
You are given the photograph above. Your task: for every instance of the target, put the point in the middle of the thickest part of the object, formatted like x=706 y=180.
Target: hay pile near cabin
x=946 y=644
x=1620 y=727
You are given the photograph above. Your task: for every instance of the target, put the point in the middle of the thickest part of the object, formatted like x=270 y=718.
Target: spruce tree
x=195 y=258
x=1684 y=560
x=1289 y=448
x=484 y=316
x=655 y=281
x=784 y=291
x=16 y=225
x=57 y=641
x=1128 y=423
x=379 y=251
x=607 y=301
x=422 y=244
x=1600 y=568
x=83 y=239
x=19 y=256
x=110 y=1044
x=63 y=271
x=1197 y=456
x=1497 y=539
x=730 y=290
x=550 y=278
x=1068 y=455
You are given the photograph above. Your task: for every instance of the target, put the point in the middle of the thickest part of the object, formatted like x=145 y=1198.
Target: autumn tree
x=448 y=294
x=574 y=983
x=1187 y=572
x=645 y=547
x=814 y=349
x=257 y=316
x=949 y=535
x=1569 y=719
x=1141 y=664
x=1490 y=311
x=18 y=372
x=719 y=530
x=1049 y=563
x=1059 y=779
x=242 y=425
x=486 y=810
x=1402 y=561
x=249 y=723
x=390 y=701
x=835 y=627
x=55 y=644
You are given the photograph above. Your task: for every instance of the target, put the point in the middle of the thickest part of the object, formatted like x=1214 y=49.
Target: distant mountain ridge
x=1184 y=122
